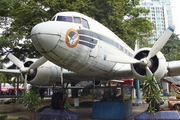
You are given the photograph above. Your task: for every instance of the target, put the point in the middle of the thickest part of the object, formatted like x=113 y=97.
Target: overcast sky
x=175 y=4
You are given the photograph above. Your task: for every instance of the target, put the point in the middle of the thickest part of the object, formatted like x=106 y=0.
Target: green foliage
x=3 y=117
x=67 y=106
x=21 y=16
x=152 y=94
x=31 y=101
x=172 y=93
x=171 y=49
x=12 y=100
x=3 y=79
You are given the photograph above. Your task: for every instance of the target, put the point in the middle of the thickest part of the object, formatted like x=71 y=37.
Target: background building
x=160 y=14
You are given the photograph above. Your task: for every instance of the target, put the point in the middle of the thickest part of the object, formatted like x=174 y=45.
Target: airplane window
x=53 y=19
x=85 y=23
x=64 y=18
x=77 y=20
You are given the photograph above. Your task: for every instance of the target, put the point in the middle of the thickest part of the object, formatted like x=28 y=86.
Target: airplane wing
x=121 y=72
x=173 y=68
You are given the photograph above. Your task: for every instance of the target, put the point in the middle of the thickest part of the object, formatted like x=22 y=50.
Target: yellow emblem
x=72 y=38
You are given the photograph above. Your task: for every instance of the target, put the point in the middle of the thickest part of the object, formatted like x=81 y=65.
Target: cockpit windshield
x=64 y=18
x=72 y=19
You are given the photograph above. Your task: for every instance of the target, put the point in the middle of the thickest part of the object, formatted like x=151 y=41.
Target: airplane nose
x=45 y=36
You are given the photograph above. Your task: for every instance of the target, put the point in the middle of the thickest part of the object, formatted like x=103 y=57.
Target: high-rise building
x=160 y=14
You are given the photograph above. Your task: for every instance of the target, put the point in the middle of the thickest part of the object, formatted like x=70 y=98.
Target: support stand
x=58 y=100
x=138 y=101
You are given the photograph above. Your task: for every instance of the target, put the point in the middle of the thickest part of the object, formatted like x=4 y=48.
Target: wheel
x=57 y=100
x=176 y=107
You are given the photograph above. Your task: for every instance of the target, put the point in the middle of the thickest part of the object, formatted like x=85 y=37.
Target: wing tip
x=7 y=54
x=171 y=28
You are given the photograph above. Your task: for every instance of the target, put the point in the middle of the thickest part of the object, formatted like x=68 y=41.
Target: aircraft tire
x=56 y=100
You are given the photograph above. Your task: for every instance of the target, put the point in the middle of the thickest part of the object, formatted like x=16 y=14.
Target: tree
x=21 y=16
x=152 y=94
x=32 y=103
x=171 y=49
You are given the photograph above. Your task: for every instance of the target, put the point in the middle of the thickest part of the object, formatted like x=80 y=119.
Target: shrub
x=3 y=117
x=152 y=94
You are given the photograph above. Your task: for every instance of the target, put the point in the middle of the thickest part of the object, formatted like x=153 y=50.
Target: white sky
x=175 y=4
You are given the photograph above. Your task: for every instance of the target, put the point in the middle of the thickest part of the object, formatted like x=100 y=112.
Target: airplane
x=76 y=47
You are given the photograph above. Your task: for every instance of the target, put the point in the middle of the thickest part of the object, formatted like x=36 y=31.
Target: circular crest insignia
x=72 y=38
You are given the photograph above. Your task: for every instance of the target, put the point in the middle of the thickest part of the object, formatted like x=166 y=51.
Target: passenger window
x=85 y=23
x=64 y=18
x=77 y=20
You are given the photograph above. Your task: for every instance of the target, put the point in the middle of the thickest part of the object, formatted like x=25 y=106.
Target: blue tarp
x=162 y=115
x=50 y=114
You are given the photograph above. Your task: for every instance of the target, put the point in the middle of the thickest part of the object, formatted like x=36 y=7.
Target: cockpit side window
x=77 y=20
x=53 y=19
x=85 y=23
x=64 y=18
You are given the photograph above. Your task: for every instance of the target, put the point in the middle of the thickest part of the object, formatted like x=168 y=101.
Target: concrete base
x=50 y=114
x=112 y=110
x=7 y=108
x=76 y=102
x=162 y=115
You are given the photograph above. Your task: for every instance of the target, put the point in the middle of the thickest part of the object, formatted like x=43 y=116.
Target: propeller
x=38 y=63
x=161 y=42
x=144 y=61
x=20 y=64
x=24 y=69
x=15 y=60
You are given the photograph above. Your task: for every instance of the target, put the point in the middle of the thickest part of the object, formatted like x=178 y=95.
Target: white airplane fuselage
x=79 y=44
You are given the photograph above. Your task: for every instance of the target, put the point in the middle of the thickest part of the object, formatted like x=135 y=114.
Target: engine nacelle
x=46 y=74
x=157 y=65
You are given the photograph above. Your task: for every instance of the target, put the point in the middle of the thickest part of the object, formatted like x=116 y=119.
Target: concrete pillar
x=165 y=86
x=138 y=93
x=133 y=93
x=76 y=102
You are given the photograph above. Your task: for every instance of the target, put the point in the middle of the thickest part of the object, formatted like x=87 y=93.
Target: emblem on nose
x=72 y=38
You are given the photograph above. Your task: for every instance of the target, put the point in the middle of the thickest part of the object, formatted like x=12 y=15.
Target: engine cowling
x=157 y=65
x=46 y=74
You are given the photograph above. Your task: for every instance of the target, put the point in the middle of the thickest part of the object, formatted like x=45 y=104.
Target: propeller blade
x=120 y=59
x=148 y=72
x=15 y=60
x=161 y=42
x=38 y=63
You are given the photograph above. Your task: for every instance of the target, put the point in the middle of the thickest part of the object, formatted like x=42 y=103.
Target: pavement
x=84 y=113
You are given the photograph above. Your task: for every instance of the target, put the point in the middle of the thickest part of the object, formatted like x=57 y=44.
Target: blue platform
x=112 y=110
x=50 y=114
x=162 y=115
